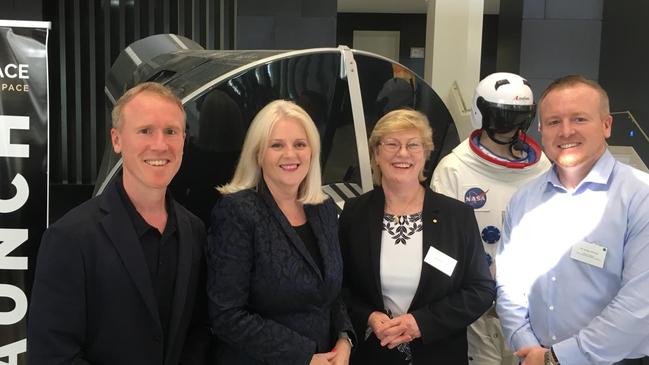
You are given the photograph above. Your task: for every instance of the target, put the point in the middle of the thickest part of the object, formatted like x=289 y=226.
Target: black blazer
x=93 y=301
x=443 y=306
x=268 y=301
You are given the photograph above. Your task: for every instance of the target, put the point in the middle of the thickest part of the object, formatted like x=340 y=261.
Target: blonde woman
x=274 y=263
x=415 y=271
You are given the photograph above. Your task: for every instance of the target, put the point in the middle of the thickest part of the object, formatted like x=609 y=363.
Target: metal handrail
x=455 y=89
x=628 y=112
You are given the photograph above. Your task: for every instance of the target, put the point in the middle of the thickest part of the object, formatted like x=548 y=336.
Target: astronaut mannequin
x=484 y=171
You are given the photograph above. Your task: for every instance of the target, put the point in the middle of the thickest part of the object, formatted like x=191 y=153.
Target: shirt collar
x=599 y=174
x=140 y=225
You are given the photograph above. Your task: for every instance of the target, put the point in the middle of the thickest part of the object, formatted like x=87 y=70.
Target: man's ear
x=115 y=138
x=608 y=122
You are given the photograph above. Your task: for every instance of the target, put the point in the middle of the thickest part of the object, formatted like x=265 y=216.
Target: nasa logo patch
x=475 y=197
x=491 y=234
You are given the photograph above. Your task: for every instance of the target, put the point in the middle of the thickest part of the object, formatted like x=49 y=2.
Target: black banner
x=24 y=184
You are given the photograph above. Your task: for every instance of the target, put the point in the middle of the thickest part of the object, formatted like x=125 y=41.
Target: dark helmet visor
x=503 y=118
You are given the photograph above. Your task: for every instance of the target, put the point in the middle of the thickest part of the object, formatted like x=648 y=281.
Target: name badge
x=440 y=261
x=589 y=253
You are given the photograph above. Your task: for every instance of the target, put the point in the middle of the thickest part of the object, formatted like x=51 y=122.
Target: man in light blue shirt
x=573 y=274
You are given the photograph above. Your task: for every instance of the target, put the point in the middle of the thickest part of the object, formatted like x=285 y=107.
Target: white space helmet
x=503 y=102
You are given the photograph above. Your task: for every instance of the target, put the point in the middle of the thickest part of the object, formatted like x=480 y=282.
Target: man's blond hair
x=149 y=87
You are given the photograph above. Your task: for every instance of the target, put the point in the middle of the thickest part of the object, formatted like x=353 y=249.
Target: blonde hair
x=151 y=87
x=398 y=121
x=248 y=172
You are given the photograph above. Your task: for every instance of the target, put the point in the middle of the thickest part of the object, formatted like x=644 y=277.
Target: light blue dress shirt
x=547 y=296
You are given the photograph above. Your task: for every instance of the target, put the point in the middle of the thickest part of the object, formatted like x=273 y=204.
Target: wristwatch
x=549 y=358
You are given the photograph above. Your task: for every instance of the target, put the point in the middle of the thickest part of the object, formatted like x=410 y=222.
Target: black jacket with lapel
x=443 y=306
x=93 y=300
x=268 y=301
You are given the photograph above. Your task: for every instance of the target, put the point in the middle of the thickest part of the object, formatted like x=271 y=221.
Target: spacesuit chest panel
x=489 y=204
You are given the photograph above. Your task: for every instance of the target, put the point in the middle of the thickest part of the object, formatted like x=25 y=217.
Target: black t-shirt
x=160 y=253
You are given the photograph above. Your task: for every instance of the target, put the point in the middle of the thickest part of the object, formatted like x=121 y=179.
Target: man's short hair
x=151 y=87
x=574 y=80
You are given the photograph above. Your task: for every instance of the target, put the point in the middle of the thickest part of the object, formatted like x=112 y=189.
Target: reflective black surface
x=220 y=109
x=218 y=119
x=386 y=86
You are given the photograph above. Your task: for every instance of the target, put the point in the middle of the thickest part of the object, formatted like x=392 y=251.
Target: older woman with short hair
x=415 y=271
x=274 y=263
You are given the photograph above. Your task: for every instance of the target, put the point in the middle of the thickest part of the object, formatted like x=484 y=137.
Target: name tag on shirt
x=589 y=253
x=440 y=261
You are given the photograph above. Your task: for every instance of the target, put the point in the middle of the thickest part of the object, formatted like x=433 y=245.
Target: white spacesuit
x=472 y=173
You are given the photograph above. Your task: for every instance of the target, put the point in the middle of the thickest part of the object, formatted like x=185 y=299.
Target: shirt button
x=551 y=307
x=554 y=338
x=554 y=278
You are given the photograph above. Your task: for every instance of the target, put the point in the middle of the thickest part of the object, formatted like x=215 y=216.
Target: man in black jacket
x=120 y=278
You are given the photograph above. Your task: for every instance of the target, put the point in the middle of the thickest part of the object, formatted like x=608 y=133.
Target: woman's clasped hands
x=393 y=331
